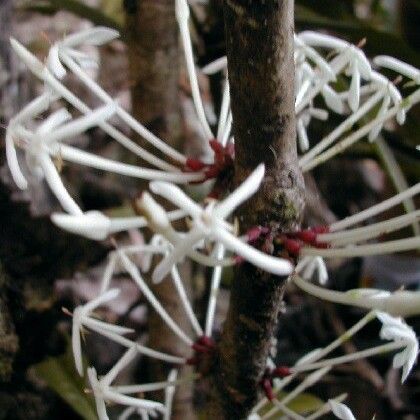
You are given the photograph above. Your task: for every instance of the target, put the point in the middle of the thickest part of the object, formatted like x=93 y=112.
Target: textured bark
x=153 y=49
x=152 y=38
x=259 y=37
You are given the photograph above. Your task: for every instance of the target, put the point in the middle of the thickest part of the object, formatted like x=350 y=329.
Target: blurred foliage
x=60 y=375
x=79 y=8
x=382 y=38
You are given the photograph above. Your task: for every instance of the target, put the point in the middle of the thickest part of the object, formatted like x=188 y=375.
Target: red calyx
x=281 y=372
x=292 y=246
x=223 y=159
x=308 y=236
x=195 y=164
x=203 y=348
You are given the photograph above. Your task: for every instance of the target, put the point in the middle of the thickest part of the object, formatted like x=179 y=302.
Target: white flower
x=208 y=224
x=33 y=109
x=95 y=36
x=81 y=317
x=97 y=226
x=303 y=121
x=391 y=97
x=341 y=411
x=103 y=392
x=310 y=54
x=44 y=141
x=357 y=64
x=169 y=394
x=397 y=330
x=182 y=12
x=308 y=265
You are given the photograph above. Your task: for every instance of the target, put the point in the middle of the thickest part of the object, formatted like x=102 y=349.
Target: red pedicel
x=268 y=389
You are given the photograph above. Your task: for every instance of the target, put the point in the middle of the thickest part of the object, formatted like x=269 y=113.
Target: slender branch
x=259 y=39
x=153 y=50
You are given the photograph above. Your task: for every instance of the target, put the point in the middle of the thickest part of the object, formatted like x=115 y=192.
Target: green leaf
x=303 y=404
x=60 y=375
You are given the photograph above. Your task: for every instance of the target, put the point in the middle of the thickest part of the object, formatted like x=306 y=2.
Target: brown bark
x=152 y=34
x=259 y=37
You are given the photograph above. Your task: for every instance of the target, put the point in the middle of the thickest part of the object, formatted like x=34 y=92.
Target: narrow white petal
x=154 y=213
x=53 y=121
x=363 y=64
x=274 y=265
x=333 y=100
x=33 y=109
x=76 y=344
x=215 y=66
x=316 y=39
x=34 y=65
x=57 y=187
x=94 y=36
x=354 y=91
x=54 y=63
x=182 y=10
x=130 y=401
x=248 y=188
x=13 y=162
x=73 y=154
x=373 y=135
x=302 y=136
x=341 y=411
x=97 y=392
x=178 y=253
x=80 y=125
x=117 y=329
x=100 y=300
x=92 y=224
x=176 y=278
x=176 y=196
x=154 y=302
x=398 y=66
x=124 y=361
x=169 y=394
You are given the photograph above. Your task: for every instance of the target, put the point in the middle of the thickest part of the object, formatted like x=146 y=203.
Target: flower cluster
x=212 y=236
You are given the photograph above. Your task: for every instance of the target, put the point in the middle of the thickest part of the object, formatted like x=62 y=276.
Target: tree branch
x=152 y=40
x=259 y=38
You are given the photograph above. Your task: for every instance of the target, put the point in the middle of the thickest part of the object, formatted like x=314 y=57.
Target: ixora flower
x=209 y=224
